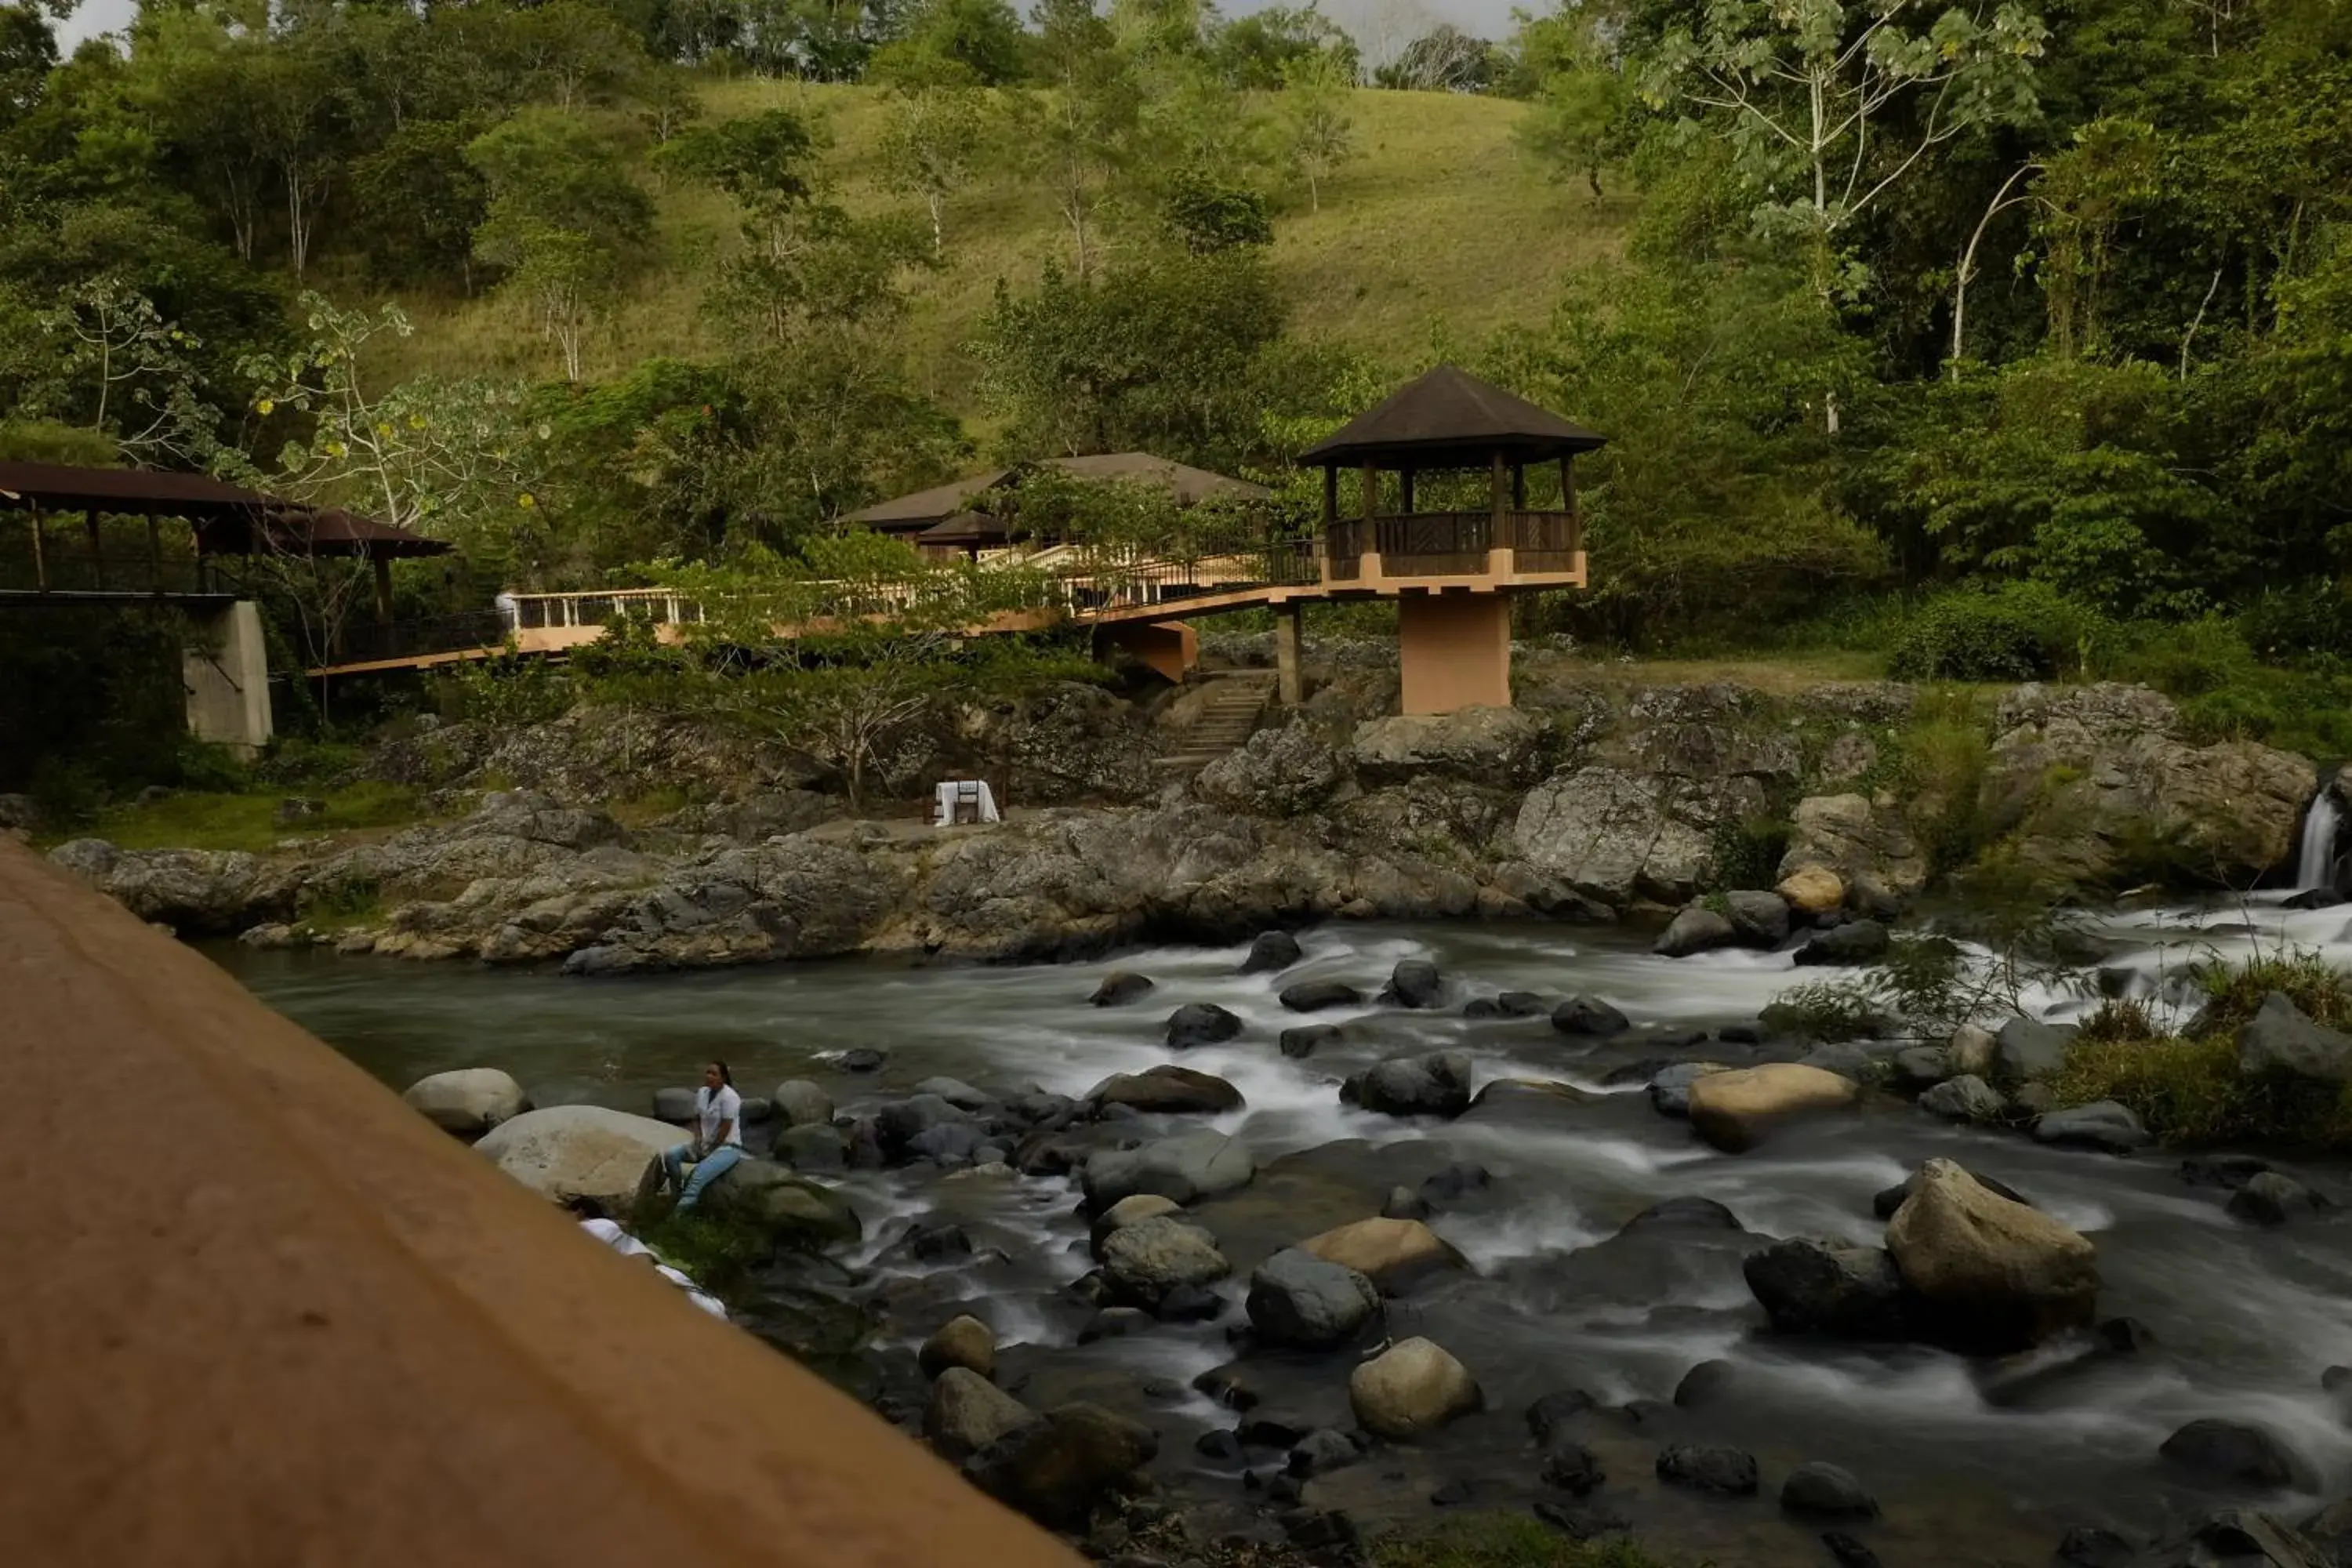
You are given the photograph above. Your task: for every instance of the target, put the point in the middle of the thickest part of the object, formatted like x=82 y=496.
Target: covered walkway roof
x=227 y=520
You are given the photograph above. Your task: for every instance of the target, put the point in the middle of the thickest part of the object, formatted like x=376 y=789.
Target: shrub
x=1504 y=1540
x=2021 y=632
x=1825 y=1010
x=1748 y=852
x=507 y=692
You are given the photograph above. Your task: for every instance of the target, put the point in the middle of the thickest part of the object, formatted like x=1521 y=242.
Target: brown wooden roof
x=228 y=520
x=1450 y=417
x=927 y=508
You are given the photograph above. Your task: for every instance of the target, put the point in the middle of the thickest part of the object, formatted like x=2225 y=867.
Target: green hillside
x=1442 y=229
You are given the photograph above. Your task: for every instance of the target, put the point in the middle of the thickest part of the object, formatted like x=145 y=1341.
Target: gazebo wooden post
x=1331 y=521
x=155 y=552
x=40 y=558
x=1404 y=492
x=96 y=552
x=382 y=565
x=1370 y=568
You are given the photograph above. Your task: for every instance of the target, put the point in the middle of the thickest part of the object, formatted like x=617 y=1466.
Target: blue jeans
x=707 y=1170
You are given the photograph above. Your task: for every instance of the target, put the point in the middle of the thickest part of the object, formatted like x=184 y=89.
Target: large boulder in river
x=801 y=1103
x=1434 y=1085
x=1120 y=987
x=1734 y=1110
x=468 y=1101
x=963 y=1341
x=1809 y=1286
x=1275 y=772
x=2082 y=777
x=1183 y=1169
x=2279 y=1039
x=1298 y=1299
x=1167 y=1090
x=1146 y=1260
x=1410 y=1390
x=1200 y=1023
x=1696 y=930
x=1864 y=844
x=2103 y=1124
x=1617 y=836
x=1503 y=747
x=1415 y=982
x=2236 y=1454
x=1315 y=996
x=1812 y=890
x=566 y=1151
x=792 y=1209
x=1856 y=942
x=2026 y=1050
x=1271 y=951
x=1056 y=1469
x=966 y=1412
x=1583 y=1014
x=1990 y=1274
x=1759 y=919
x=1391 y=1253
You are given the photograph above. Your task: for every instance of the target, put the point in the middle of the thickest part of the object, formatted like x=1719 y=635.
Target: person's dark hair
x=581 y=1206
x=725 y=1076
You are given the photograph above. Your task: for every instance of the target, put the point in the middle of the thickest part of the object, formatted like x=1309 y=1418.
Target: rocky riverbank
x=1586 y=802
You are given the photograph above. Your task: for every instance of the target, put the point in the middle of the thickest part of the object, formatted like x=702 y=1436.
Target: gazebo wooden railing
x=1454 y=543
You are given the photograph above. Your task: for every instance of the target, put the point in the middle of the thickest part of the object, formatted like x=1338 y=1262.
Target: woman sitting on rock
x=718 y=1140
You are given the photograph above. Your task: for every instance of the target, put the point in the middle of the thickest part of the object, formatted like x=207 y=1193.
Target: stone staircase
x=1229 y=714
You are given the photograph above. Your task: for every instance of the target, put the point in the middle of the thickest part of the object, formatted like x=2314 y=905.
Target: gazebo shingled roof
x=929 y=508
x=1449 y=415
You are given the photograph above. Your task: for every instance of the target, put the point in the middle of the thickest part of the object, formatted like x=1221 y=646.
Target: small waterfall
x=2314 y=865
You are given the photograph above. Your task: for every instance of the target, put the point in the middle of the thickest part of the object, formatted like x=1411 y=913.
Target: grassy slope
x=1442 y=231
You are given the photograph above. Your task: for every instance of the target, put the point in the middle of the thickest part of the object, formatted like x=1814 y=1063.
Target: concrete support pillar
x=225 y=671
x=1289 y=687
x=1453 y=651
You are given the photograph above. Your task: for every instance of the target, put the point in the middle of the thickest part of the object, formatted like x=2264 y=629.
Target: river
x=1972 y=1462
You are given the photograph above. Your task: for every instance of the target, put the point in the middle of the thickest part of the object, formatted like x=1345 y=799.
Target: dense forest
x=2012 y=339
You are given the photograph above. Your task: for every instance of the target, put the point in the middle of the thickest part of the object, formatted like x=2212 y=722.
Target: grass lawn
x=197 y=820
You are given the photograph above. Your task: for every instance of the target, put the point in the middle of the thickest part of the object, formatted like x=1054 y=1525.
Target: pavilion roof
x=1448 y=416
x=926 y=509
x=228 y=520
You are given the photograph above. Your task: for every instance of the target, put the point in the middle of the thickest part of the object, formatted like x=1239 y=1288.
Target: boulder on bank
x=1498 y=747
x=2279 y=1038
x=1861 y=844
x=1708 y=1467
x=1167 y=1090
x=1695 y=930
x=1185 y=1169
x=468 y=1101
x=1759 y=918
x=1990 y=1274
x=1148 y=1260
x=1391 y=1253
x=1315 y=996
x=1275 y=772
x=2272 y=1198
x=566 y=1151
x=1582 y=1014
x=1118 y=988
x=966 y=1412
x=2026 y=1050
x=1734 y=1110
x=1812 y=890
x=1298 y=1299
x=1271 y=951
x=1056 y=1469
x=1410 y=1390
x=792 y=1209
x=674 y=1105
x=1809 y=1286
x=1434 y=1085
x=963 y=1341
x=1200 y=1023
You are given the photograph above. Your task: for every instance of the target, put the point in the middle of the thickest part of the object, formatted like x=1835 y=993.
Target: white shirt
x=727 y=1107
x=629 y=1246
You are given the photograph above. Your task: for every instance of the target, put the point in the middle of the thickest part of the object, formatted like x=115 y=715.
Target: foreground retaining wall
x=256 y=1311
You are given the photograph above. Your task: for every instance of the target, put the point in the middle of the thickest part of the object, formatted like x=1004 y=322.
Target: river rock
x=1887 y=1199
x=1118 y=988
x=1847 y=1058
x=1861 y=843
x=1498 y=747
x=963 y=1341
x=1573 y=1468
x=1456 y=1181
x=1856 y=942
x=1818 y=1490
x=792 y=1209
x=674 y=1105
x=1309 y=1038
x=957 y=1092
x=1315 y=996
x=1415 y=982
x=1152 y=1258
x=1812 y=890
x=1391 y=1253
x=1186 y=1169
x=1057 y=1470
x=1967 y=1097
x=1588 y=1015
x=1200 y=1023
x=1275 y=773
x=1321 y=1451
x=1129 y=1211
x=1271 y=951
x=565 y=1152
x=2026 y=1050
x=1167 y=1090
x=1991 y=1275
x=1670 y=1086
x=1508 y=1004
x=1759 y=917
x=1298 y=1299
x=2241 y=1538
x=901 y=1123
x=863 y=1059
x=468 y=1101
x=801 y=1103
x=1730 y=1472
x=1685 y=1213
x=2279 y=1039
x=1734 y=1110
x=814 y=1146
x=966 y=1412
x=1434 y=1085
x=2103 y=1124
x=2087 y=1546
x=1403 y=1203
x=2236 y=1454
x=1973 y=1049
x=1412 y=1389
x=1809 y=1286
x=2271 y=1197
x=1695 y=930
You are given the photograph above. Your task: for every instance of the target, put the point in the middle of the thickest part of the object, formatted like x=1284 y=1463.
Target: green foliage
x=1938 y=769
x=1748 y=852
x=245 y=818
x=1505 y=1540
x=508 y=692
x=1825 y=1010
x=1205 y=216
x=716 y=1254
x=2020 y=632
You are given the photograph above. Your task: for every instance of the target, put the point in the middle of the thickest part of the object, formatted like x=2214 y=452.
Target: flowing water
x=2314 y=864
x=1973 y=1462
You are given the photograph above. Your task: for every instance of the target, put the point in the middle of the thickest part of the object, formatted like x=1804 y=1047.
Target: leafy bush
x=1748 y=852
x=2023 y=631
x=2295 y=625
x=1825 y=1010
x=507 y=690
x=1504 y=1540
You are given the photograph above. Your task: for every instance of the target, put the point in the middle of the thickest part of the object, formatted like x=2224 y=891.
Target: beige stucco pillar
x=225 y=671
x=1289 y=688
x=1454 y=651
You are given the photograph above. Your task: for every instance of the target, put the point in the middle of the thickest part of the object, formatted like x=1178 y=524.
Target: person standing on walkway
x=717 y=1140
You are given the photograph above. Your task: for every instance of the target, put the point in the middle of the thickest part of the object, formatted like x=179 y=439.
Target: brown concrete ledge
x=255 y=1312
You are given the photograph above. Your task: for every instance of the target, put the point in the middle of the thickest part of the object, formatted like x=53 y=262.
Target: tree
x=134 y=366
x=1078 y=132
x=1205 y=216
x=1445 y=59
x=1257 y=52
x=422 y=200
x=932 y=139
x=563 y=212
x=295 y=108
x=29 y=52
x=1316 y=135
x=974 y=43
x=1577 y=121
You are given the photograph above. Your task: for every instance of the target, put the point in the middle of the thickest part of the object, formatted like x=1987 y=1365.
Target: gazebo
x=1451 y=571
